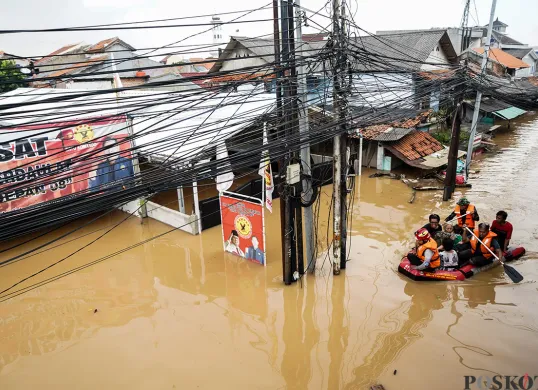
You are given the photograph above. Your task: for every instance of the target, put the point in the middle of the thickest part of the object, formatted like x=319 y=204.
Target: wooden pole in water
x=450 y=178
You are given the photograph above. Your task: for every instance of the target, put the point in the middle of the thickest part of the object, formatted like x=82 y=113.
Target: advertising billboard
x=243 y=227
x=41 y=163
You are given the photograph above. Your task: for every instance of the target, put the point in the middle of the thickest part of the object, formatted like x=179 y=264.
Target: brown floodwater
x=177 y=312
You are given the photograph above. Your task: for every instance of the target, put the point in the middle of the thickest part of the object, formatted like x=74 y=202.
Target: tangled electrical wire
x=174 y=134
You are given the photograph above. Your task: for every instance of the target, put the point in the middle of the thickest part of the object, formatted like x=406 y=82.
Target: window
x=436 y=48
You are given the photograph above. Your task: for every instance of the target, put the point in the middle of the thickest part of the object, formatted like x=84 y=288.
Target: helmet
x=422 y=234
x=463 y=201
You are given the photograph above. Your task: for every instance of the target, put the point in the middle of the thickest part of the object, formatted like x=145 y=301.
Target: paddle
x=510 y=271
x=461 y=216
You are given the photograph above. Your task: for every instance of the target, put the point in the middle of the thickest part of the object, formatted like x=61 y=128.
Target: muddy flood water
x=178 y=313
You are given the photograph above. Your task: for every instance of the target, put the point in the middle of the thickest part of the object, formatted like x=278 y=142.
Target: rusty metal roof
x=503 y=58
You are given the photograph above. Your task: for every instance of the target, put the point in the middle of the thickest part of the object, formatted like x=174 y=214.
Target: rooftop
x=102 y=45
x=61 y=50
x=402 y=49
x=417 y=144
x=503 y=58
x=519 y=53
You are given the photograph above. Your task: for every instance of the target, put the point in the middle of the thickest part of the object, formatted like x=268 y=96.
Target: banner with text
x=243 y=227
x=41 y=163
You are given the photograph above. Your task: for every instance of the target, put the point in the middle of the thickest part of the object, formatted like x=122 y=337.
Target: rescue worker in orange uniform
x=472 y=251
x=468 y=214
x=425 y=256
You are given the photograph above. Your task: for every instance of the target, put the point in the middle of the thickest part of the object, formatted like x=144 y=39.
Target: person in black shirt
x=433 y=227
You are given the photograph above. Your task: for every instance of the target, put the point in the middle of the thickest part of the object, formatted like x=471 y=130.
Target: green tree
x=10 y=76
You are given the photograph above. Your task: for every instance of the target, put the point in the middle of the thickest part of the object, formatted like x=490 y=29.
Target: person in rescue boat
x=472 y=251
x=467 y=212
x=448 y=232
x=503 y=229
x=434 y=226
x=425 y=256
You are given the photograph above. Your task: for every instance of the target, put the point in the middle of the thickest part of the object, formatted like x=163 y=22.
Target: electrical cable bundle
x=175 y=134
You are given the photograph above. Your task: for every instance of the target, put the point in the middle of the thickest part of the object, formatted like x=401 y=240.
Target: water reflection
x=424 y=300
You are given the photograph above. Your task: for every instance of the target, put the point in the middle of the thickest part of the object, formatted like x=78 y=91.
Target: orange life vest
x=468 y=218
x=487 y=242
x=432 y=245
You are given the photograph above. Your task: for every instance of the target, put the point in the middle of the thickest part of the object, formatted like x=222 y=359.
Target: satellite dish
x=25 y=71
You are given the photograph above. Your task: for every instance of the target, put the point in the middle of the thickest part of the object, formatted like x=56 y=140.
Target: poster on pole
x=243 y=228
x=41 y=163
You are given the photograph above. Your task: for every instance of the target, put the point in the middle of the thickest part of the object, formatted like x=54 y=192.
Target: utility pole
x=287 y=213
x=479 y=93
x=295 y=126
x=450 y=178
x=464 y=21
x=339 y=144
x=281 y=132
x=305 y=149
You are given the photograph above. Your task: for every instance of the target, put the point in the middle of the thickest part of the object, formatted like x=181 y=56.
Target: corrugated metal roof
x=504 y=39
x=392 y=134
x=265 y=49
x=56 y=52
x=490 y=105
x=510 y=113
x=401 y=47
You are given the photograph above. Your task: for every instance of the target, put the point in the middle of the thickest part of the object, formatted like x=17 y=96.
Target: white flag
x=224 y=180
x=266 y=173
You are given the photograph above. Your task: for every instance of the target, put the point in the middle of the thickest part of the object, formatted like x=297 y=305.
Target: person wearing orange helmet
x=425 y=256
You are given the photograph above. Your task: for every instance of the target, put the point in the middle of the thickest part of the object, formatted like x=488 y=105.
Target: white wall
x=90 y=85
x=173 y=218
x=525 y=72
x=245 y=60
x=437 y=56
x=532 y=62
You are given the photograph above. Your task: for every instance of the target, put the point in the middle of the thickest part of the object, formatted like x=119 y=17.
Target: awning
x=509 y=113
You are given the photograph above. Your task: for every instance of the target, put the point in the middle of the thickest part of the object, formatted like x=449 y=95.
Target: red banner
x=243 y=228
x=44 y=162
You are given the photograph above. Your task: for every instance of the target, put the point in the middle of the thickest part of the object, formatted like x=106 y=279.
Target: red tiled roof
x=59 y=51
x=198 y=61
x=503 y=58
x=416 y=145
x=533 y=80
x=195 y=77
x=437 y=74
x=239 y=77
x=101 y=45
x=315 y=37
x=132 y=81
x=372 y=132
